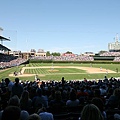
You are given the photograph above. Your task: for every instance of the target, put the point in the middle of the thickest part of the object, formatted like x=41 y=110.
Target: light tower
x=116 y=38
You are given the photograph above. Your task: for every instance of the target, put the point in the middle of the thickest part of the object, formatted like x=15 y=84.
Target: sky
x=60 y=25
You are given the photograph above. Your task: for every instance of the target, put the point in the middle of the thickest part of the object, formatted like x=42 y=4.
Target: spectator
x=34 y=117
x=97 y=93
x=52 y=95
x=9 y=84
x=15 y=101
x=39 y=100
x=25 y=101
x=114 y=99
x=17 y=88
x=109 y=93
x=44 y=115
x=57 y=105
x=73 y=101
x=116 y=116
x=11 y=113
x=82 y=95
x=58 y=100
x=103 y=91
x=91 y=112
x=99 y=103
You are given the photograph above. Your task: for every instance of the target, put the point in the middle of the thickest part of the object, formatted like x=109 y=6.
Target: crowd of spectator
x=78 y=57
x=116 y=59
x=60 y=100
x=65 y=58
x=110 y=54
x=7 y=61
x=114 y=54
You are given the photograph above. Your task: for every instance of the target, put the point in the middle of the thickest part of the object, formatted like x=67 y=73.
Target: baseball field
x=55 y=71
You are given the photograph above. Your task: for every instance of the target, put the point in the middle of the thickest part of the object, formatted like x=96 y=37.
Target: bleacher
x=91 y=88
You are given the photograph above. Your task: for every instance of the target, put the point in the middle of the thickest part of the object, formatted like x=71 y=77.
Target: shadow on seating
x=57 y=110
x=76 y=109
x=110 y=113
x=64 y=116
x=74 y=116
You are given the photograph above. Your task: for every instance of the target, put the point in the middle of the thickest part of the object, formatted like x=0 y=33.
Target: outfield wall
x=95 y=61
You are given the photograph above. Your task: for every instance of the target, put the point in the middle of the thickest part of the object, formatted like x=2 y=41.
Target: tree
x=101 y=52
x=68 y=52
x=56 y=54
x=48 y=53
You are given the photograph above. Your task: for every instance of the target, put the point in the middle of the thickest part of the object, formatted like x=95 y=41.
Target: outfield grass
x=68 y=73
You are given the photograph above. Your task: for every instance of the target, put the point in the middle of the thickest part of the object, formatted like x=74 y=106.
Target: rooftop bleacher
x=110 y=54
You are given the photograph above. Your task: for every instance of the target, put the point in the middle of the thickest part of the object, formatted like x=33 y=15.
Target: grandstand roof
x=4 y=48
x=4 y=39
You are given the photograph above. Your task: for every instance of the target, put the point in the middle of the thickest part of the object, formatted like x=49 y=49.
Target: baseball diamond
x=75 y=71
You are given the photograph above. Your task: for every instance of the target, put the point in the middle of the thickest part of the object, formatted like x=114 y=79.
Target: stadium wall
x=79 y=62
